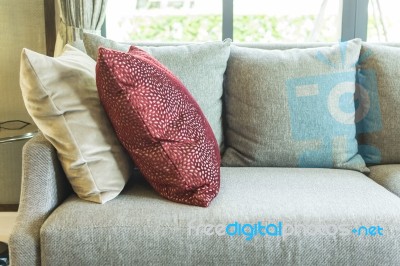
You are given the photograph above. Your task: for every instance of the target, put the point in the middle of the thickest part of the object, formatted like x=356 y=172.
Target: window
x=286 y=20
x=252 y=20
x=383 y=21
x=164 y=20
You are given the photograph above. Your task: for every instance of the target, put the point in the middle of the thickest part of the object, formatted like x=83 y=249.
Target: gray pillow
x=379 y=91
x=200 y=67
x=292 y=108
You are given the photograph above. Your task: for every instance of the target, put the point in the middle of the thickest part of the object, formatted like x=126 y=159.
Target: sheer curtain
x=77 y=17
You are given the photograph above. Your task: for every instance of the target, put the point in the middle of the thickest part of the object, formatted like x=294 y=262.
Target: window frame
x=354 y=19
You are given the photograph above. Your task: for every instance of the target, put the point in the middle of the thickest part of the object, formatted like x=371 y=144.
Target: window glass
x=383 y=21
x=164 y=20
x=287 y=20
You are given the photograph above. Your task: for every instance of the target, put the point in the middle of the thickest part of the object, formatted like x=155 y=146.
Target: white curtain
x=77 y=17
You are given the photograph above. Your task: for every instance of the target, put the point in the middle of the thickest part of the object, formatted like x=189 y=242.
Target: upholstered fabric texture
x=141 y=228
x=61 y=96
x=387 y=175
x=160 y=125
x=292 y=108
x=200 y=67
x=379 y=104
x=44 y=187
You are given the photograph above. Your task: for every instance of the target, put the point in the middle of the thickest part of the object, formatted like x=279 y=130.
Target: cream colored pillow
x=61 y=96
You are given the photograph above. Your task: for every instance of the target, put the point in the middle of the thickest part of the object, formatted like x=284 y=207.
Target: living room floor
x=7 y=220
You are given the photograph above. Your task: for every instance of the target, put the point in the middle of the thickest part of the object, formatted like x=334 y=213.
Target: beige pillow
x=61 y=96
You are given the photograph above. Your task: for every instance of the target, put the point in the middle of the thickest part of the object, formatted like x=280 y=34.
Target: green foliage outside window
x=254 y=28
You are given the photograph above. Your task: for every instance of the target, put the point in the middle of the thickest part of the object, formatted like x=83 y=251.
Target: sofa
x=310 y=168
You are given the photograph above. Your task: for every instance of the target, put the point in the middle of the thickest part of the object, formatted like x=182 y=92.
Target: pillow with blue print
x=292 y=108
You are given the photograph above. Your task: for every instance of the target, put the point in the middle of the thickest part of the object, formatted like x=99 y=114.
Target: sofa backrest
x=321 y=60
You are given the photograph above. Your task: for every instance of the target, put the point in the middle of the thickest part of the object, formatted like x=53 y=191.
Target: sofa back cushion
x=292 y=108
x=200 y=67
x=379 y=97
x=61 y=96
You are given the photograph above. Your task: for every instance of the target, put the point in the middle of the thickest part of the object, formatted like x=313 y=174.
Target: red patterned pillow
x=160 y=124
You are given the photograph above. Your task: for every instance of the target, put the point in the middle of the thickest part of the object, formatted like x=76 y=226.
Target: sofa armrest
x=387 y=176
x=44 y=186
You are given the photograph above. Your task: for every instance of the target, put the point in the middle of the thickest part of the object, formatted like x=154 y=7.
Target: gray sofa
x=341 y=214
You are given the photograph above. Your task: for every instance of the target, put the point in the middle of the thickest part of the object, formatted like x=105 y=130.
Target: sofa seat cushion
x=140 y=227
x=388 y=176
